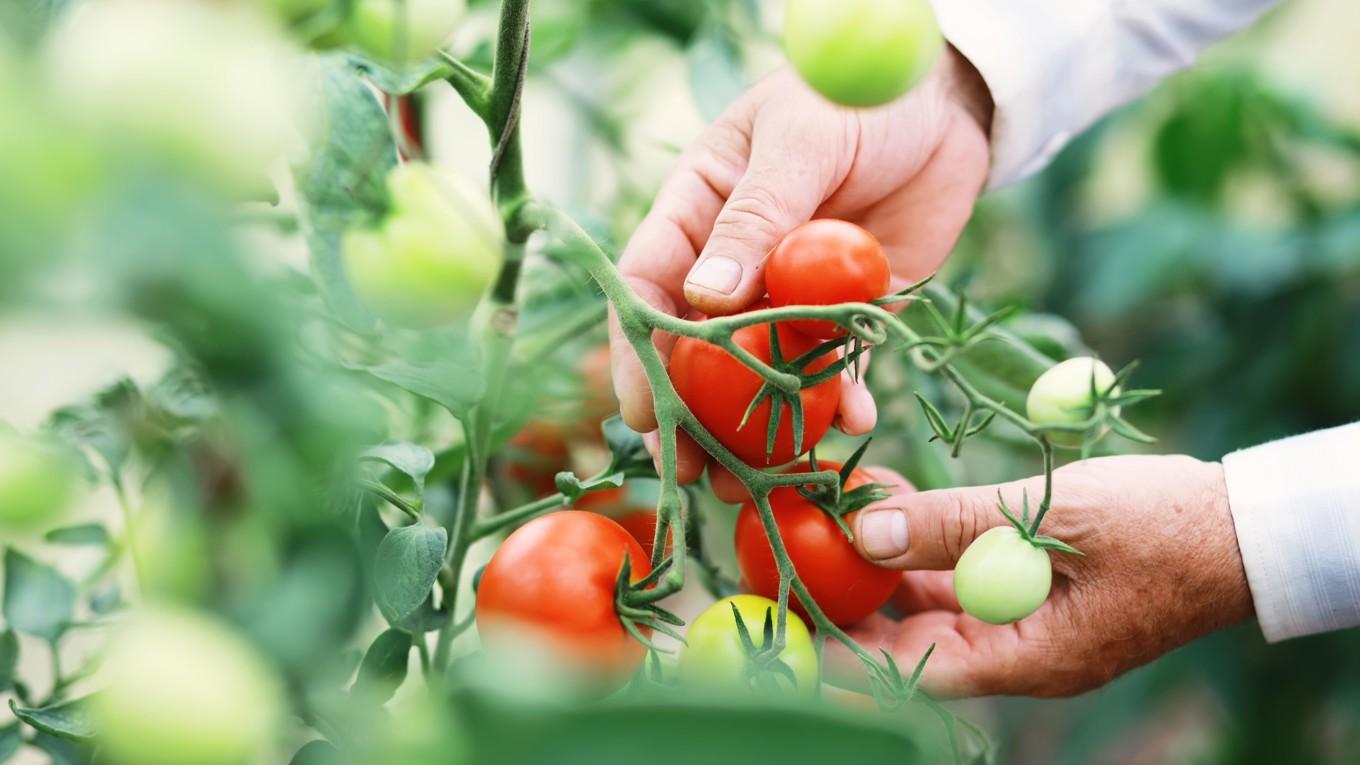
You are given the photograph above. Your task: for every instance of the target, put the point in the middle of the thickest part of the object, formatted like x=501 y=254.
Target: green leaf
x=383 y=669
x=412 y=460
x=38 y=599
x=1052 y=543
x=11 y=740
x=9 y=659
x=68 y=720
x=106 y=598
x=400 y=82
x=716 y=73
x=318 y=752
x=455 y=385
x=64 y=751
x=84 y=534
x=405 y=568
x=341 y=183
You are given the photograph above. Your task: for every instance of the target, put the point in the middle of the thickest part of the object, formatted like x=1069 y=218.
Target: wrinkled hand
x=909 y=172
x=1162 y=568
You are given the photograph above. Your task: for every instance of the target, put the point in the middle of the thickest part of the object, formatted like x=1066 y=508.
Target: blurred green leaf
x=107 y=597
x=38 y=599
x=83 y=534
x=716 y=73
x=9 y=659
x=383 y=669
x=400 y=82
x=412 y=460
x=69 y=719
x=317 y=752
x=64 y=751
x=453 y=384
x=11 y=740
x=405 y=568
x=315 y=602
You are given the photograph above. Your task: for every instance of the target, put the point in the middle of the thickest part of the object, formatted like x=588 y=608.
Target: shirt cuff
x=1296 y=507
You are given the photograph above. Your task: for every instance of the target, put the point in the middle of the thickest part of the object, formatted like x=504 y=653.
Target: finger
x=726 y=486
x=663 y=249
x=690 y=457
x=922 y=591
x=780 y=190
x=931 y=529
x=858 y=412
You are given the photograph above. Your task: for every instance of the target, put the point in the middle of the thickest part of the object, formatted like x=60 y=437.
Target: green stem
x=130 y=530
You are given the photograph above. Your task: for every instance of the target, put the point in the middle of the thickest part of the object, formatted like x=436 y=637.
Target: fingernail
x=883 y=532
x=716 y=274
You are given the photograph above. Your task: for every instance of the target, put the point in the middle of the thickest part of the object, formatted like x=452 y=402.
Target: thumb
x=775 y=195
x=931 y=529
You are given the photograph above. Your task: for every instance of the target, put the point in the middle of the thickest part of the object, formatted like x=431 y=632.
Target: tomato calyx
x=764 y=664
x=636 y=616
x=780 y=397
x=1029 y=531
x=834 y=500
x=1105 y=405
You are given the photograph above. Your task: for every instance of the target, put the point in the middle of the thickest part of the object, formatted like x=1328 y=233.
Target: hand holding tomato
x=1161 y=568
x=781 y=155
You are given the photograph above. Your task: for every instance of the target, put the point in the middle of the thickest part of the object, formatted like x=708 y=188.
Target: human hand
x=909 y=172
x=1161 y=568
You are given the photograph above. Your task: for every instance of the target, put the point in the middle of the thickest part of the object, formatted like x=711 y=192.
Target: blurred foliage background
x=1210 y=230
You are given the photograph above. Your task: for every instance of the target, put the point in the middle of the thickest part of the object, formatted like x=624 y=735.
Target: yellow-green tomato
x=184 y=689
x=433 y=256
x=1062 y=396
x=1002 y=577
x=861 y=52
x=403 y=31
x=38 y=481
x=715 y=655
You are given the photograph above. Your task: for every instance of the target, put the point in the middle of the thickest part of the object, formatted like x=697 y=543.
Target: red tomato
x=845 y=585
x=597 y=393
x=825 y=262
x=718 y=388
x=552 y=582
x=537 y=453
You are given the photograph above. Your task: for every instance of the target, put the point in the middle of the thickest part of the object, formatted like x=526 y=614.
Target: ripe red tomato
x=845 y=585
x=598 y=402
x=537 y=453
x=825 y=262
x=551 y=583
x=718 y=388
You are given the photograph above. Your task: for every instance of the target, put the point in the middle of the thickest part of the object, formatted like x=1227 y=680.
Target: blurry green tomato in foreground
x=38 y=480
x=1062 y=396
x=208 y=85
x=715 y=655
x=1002 y=577
x=173 y=546
x=184 y=689
x=434 y=254
x=861 y=52
x=402 y=31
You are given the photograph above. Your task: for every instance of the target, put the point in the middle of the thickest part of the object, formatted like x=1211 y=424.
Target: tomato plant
x=825 y=262
x=716 y=653
x=1066 y=395
x=860 y=52
x=554 y=580
x=1002 y=577
x=845 y=586
x=719 y=388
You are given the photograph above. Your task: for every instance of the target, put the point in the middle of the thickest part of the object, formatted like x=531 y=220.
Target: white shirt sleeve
x=1056 y=66
x=1296 y=506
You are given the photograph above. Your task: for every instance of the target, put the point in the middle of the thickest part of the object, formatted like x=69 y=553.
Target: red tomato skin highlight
x=717 y=388
x=846 y=586
x=825 y=262
x=554 y=576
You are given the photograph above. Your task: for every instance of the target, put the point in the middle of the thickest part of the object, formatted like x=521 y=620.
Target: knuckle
x=753 y=214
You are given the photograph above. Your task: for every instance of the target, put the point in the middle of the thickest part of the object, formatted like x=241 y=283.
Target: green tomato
x=433 y=256
x=861 y=52
x=403 y=31
x=1002 y=577
x=183 y=689
x=1062 y=396
x=38 y=481
x=714 y=653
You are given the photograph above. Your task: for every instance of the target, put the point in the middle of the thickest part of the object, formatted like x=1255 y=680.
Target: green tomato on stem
x=429 y=261
x=403 y=31
x=715 y=655
x=861 y=52
x=1002 y=577
x=1062 y=396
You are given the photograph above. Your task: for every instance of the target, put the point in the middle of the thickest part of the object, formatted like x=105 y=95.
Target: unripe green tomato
x=1062 y=396
x=38 y=481
x=714 y=654
x=861 y=52
x=433 y=256
x=1002 y=577
x=403 y=31
x=183 y=689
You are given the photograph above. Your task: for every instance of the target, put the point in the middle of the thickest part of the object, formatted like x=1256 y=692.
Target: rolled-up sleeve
x=1056 y=66
x=1296 y=507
